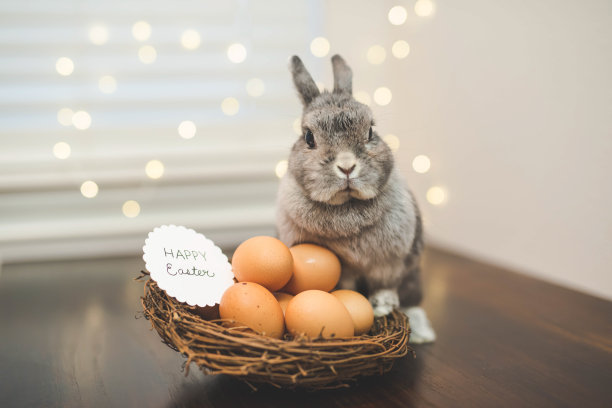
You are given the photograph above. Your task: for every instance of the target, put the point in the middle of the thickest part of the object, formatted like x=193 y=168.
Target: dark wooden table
x=68 y=338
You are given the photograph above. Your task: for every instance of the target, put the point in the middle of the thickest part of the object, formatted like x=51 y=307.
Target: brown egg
x=314 y=313
x=283 y=300
x=254 y=306
x=314 y=267
x=263 y=260
x=358 y=307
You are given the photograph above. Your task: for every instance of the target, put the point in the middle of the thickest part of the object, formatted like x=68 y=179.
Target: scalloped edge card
x=187 y=265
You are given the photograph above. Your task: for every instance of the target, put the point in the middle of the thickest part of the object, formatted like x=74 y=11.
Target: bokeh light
x=187 y=129
x=64 y=66
x=107 y=84
x=392 y=141
x=81 y=120
x=64 y=116
x=436 y=195
x=319 y=47
x=98 y=34
x=376 y=55
x=154 y=169
x=281 y=168
x=230 y=106
x=255 y=87
x=61 y=150
x=236 y=53
x=89 y=189
x=400 y=49
x=141 y=30
x=190 y=39
x=147 y=54
x=421 y=164
x=424 y=8
x=131 y=208
x=382 y=96
x=397 y=15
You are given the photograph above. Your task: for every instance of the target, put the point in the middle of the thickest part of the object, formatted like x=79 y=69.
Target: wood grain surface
x=69 y=338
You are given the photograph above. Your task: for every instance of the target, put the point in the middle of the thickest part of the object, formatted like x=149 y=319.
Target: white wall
x=512 y=101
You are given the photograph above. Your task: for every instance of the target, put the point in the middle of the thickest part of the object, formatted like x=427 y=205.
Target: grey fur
x=343 y=76
x=305 y=85
x=374 y=226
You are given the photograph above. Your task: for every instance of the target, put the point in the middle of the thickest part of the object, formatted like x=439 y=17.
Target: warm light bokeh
x=320 y=47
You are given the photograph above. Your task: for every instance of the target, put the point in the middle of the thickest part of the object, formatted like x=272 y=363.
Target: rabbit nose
x=346 y=164
x=347 y=171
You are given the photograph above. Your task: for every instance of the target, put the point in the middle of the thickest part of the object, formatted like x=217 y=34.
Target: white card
x=187 y=265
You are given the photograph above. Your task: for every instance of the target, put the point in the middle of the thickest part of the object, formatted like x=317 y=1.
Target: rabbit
x=343 y=192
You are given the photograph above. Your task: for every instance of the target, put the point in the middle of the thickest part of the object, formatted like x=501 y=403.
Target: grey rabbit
x=342 y=191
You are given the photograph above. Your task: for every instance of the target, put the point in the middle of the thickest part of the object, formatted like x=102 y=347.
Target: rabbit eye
x=370 y=134
x=309 y=138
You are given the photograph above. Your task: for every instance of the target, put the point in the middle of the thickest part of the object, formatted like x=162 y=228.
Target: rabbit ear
x=343 y=76
x=304 y=83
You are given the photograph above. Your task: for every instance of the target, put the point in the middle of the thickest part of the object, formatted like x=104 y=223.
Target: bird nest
x=219 y=347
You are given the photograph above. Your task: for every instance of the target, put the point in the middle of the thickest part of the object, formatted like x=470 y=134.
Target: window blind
x=221 y=181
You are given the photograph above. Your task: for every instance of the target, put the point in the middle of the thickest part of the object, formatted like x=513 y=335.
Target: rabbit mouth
x=351 y=190
x=338 y=192
x=340 y=197
x=349 y=187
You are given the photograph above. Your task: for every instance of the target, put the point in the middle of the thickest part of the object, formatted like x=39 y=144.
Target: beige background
x=512 y=101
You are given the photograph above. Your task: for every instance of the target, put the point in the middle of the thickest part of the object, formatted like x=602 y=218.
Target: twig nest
x=219 y=347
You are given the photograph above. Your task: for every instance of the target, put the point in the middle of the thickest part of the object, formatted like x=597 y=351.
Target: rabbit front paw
x=384 y=301
x=420 y=326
